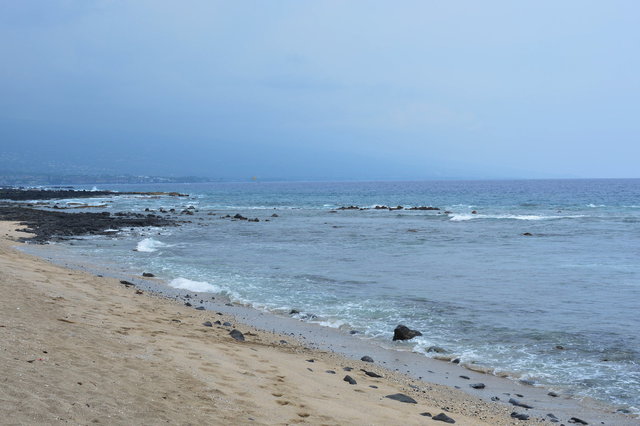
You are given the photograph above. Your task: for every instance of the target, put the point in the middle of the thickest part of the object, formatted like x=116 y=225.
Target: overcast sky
x=322 y=89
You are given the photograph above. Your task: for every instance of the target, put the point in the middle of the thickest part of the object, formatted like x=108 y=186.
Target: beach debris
x=350 y=380
x=517 y=403
x=477 y=385
x=442 y=417
x=148 y=274
x=371 y=373
x=577 y=421
x=366 y=358
x=402 y=398
x=519 y=416
x=402 y=332
x=236 y=334
x=207 y=324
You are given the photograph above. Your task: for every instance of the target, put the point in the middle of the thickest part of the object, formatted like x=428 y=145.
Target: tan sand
x=80 y=349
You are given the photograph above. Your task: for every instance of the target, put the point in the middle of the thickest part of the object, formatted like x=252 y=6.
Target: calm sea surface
x=560 y=307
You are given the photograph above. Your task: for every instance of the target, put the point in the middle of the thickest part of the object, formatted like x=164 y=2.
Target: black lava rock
x=519 y=416
x=403 y=332
x=402 y=398
x=517 y=403
x=236 y=334
x=442 y=417
x=371 y=373
x=350 y=380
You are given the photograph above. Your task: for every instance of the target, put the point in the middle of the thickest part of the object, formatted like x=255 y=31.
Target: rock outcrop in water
x=402 y=332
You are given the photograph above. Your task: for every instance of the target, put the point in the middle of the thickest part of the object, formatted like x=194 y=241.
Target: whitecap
x=149 y=245
x=200 y=286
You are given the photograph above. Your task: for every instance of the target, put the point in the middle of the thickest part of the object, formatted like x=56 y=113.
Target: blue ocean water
x=559 y=307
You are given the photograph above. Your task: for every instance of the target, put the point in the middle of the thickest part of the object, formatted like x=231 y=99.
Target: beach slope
x=82 y=349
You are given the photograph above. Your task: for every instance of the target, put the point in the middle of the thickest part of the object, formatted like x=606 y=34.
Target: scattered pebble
x=350 y=380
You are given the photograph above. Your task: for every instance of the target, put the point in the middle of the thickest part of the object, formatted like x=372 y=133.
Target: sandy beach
x=82 y=349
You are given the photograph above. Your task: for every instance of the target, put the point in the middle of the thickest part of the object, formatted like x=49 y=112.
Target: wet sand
x=77 y=348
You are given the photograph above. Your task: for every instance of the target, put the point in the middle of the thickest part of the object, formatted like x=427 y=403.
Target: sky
x=321 y=89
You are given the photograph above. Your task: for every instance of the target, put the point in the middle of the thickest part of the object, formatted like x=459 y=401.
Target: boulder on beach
x=403 y=332
x=402 y=398
x=366 y=358
x=236 y=334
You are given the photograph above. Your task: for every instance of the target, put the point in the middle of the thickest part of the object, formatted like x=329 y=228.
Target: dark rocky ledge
x=17 y=194
x=55 y=225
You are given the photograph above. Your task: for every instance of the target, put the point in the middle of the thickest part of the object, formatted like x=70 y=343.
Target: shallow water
x=558 y=307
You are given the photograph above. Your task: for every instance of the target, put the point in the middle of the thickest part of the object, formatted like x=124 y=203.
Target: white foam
x=200 y=286
x=149 y=245
x=465 y=216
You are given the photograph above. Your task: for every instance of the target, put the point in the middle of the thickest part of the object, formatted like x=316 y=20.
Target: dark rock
x=284 y=342
x=188 y=304
x=517 y=403
x=354 y=332
x=217 y=323
x=148 y=274
x=402 y=398
x=294 y=311
x=239 y=216
x=553 y=394
x=255 y=219
x=139 y=292
x=350 y=380
x=423 y=208
x=373 y=386
x=456 y=361
x=207 y=324
x=311 y=360
x=371 y=373
x=403 y=332
x=442 y=417
x=236 y=334
x=228 y=304
x=126 y=283
x=477 y=385
x=366 y=358
x=437 y=349
x=274 y=215
x=227 y=324
x=200 y=308
x=527 y=234
x=330 y=372
x=474 y=212
x=577 y=421
x=527 y=382
x=519 y=416
x=347 y=368
x=465 y=377
x=495 y=398
x=551 y=416
x=425 y=414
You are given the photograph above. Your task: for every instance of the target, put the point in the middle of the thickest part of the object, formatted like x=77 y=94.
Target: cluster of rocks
x=388 y=208
x=19 y=194
x=55 y=225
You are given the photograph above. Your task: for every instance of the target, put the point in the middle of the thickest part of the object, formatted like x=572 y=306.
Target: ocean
x=535 y=279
